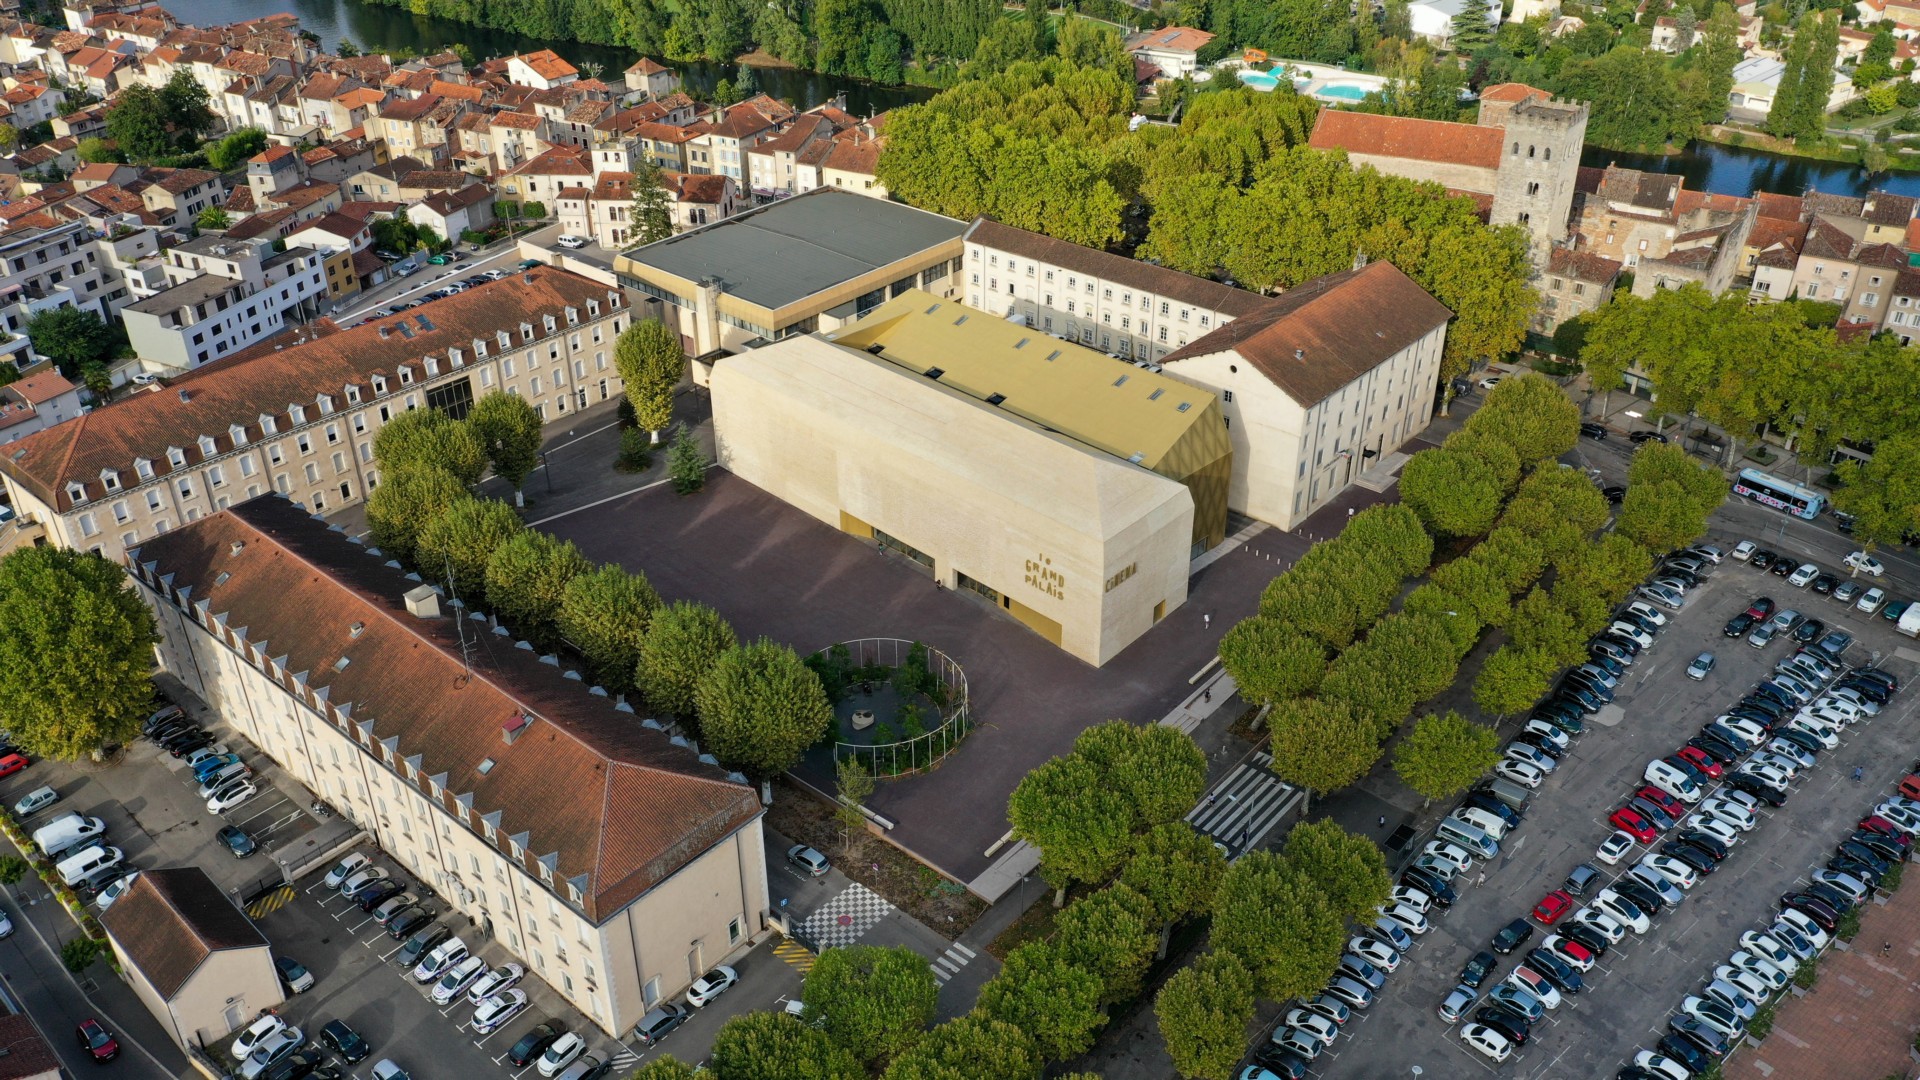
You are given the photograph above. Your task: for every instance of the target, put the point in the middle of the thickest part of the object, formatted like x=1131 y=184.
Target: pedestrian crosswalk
x=1245 y=805
x=795 y=954
x=950 y=962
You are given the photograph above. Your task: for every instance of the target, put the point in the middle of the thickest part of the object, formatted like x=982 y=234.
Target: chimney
x=184 y=396
x=511 y=731
x=385 y=332
x=423 y=602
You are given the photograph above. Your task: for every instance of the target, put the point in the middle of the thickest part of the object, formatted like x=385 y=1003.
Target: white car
x=1767 y=773
x=1648 y=612
x=1802 y=576
x=500 y=979
x=254 y=1033
x=1377 y=953
x=561 y=1054
x=493 y=1013
x=271 y=1048
x=1803 y=926
x=1732 y=997
x=1412 y=897
x=1601 y=923
x=1714 y=1015
x=1743 y=727
x=1718 y=828
x=1614 y=848
x=1487 y=1041
x=1313 y=1024
x=1900 y=817
x=114 y=891
x=1744 y=550
x=439 y=959
x=1527 y=776
x=1838 y=706
x=1767 y=948
x=1866 y=564
x=345 y=869
x=1490 y=382
x=1451 y=854
x=1406 y=918
x=1635 y=634
x=194 y=759
x=1548 y=732
x=1759 y=967
x=1854 y=698
x=570 y=241
x=1557 y=945
x=1611 y=903
x=456 y=979
x=711 y=985
x=1534 y=984
x=1661 y=1065
x=1752 y=986
x=231 y=797
x=1871 y=600
x=1825 y=734
x=1767 y=759
x=1529 y=755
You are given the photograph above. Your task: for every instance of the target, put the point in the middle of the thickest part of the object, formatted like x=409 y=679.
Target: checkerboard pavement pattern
x=844 y=919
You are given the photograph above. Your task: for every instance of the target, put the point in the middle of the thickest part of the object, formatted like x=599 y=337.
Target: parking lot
x=1639 y=983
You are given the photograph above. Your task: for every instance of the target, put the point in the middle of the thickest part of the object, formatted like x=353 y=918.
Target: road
x=503 y=254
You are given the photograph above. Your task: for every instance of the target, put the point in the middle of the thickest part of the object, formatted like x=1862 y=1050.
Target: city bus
x=1769 y=490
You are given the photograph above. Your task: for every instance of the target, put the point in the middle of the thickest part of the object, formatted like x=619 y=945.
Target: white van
x=1672 y=781
x=1469 y=836
x=65 y=831
x=75 y=868
x=1490 y=823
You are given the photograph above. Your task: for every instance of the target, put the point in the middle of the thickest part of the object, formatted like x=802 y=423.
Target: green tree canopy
x=604 y=614
x=652 y=206
x=1513 y=679
x=683 y=641
x=460 y=540
x=667 y=1067
x=651 y=364
x=874 y=1001
x=407 y=500
x=508 y=429
x=77 y=648
x=1112 y=934
x=1057 y=1003
x=93 y=150
x=686 y=465
x=1204 y=1010
x=71 y=337
x=1455 y=494
x=1531 y=414
x=1660 y=517
x=776 y=1046
x=527 y=579
x=1082 y=828
x=213 y=219
x=1500 y=459
x=970 y=1048
x=1349 y=869
x=1444 y=753
x=1271 y=917
x=1883 y=494
x=1177 y=868
x=1270 y=661
x=1539 y=623
x=233 y=151
x=430 y=437
x=1657 y=462
x=760 y=708
x=137 y=123
x=1322 y=745
x=1159 y=769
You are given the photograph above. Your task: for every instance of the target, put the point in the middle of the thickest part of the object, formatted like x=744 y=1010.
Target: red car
x=98 y=1041
x=1663 y=800
x=1700 y=760
x=12 y=763
x=1630 y=821
x=1876 y=823
x=1552 y=906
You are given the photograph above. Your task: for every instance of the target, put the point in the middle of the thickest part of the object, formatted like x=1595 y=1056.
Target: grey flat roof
x=797 y=247
x=192 y=291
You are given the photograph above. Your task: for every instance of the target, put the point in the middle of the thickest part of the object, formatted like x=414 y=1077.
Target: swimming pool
x=1343 y=91
x=1259 y=80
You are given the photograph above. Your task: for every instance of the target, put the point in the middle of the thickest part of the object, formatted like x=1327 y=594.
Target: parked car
x=339 y=1037
x=712 y=985
x=97 y=1041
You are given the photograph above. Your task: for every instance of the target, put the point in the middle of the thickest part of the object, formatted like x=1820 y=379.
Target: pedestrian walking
x=1886 y=949
x=1383 y=821
x=1206 y=620
x=1212 y=795
x=1858 y=772
x=1483 y=878
x=1207 y=694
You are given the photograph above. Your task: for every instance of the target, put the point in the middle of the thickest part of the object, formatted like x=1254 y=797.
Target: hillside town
x=1098 y=569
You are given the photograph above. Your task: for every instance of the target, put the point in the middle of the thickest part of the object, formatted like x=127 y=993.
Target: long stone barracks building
x=1068 y=488
x=606 y=855
x=300 y=420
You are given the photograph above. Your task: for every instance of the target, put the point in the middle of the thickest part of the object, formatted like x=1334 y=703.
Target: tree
x=213 y=219
x=407 y=499
x=430 y=437
x=683 y=641
x=651 y=362
x=1512 y=679
x=652 y=208
x=760 y=708
x=77 y=644
x=1444 y=754
x=1539 y=623
x=187 y=105
x=1082 y=828
x=1177 y=868
x=95 y=377
x=1660 y=517
x=686 y=465
x=1455 y=494
x=970 y=1048
x=873 y=1001
x=10 y=138
x=776 y=1046
x=666 y=1067
x=1350 y=869
x=1321 y=745
x=527 y=579
x=1055 y=1002
x=1471 y=28
x=1273 y=918
x=508 y=429
x=71 y=337
x=725 y=94
x=1883 y=494
x=1500 y=460
x=1658 y=462
x=79 y=954
x=1204 y=1010
x=1271 y=662
x=460 y=540
x=855 y=785
x=233 y=151
x=603 y=615
x=97 y=151
x=1086 y=43
x=137 y=123
x=1113 y=935
x=1531 y=414
x=1158 y=769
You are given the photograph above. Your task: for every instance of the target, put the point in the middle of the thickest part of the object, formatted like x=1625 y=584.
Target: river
x=377 y=28
x=1733 y=170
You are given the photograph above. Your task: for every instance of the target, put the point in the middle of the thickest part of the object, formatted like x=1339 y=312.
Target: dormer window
x=551 y=325
x=297 y=413
x=267 y=425
x=326 y=404
x=433 y=366
x=593 y=309
x=573 y=893
x=207 y=447
x=76 y=493
x=237 y=434
x=546 y=873
x=526 y=331
x=406 y=376
x=143 y=468
x=110 y=479
x=479 y=348
x=176 y=457
x=379 y=384
x=505 y=339
x=353 y=395
x=573 y=315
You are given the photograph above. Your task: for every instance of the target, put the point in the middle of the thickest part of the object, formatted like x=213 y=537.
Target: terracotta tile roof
x=97 y=170
x=1882 y=255
x=1691 y=202
x=366 y=263
x=448 y=202
x=804 y=127
x=644 y=66
x=1826 y=241
x=1170 y=39
x=247 y=63
x=1132 y=273
x=707 y=190
x=1770 y=231
x=240 y=201
x=23 y=1052
x=613 y=186
x=336 y=223
x=557 y=161
x=1656 y=192
x=272 y=153
x=305 y=194
x=588 y=113
x=171 y=920
x=1782 y=207
x=362 y=97
x=1907 y=284
x=858 y=156
x=228 y=392
x=261 y=224
x=633 y=807
x=1584 y=265
x=1404 y=137
x=665 y=133
x=1511 y=92
x=1821 y=202
x=1316 y=338
x=1851 y=330
x=114 y=198
x=547 y=64
x=41 y=386
x=326 y=86
x=458 y=91
x=409 y=109
x=1884 y=209
x=740 y=122
x=435 y=179
x=518 y=121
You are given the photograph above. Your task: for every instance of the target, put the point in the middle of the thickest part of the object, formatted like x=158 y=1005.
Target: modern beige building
x=1320 y=385
x=609 y=857
x=300 y=418
x=194 y=959
x=1068 y=488
x=810 y=263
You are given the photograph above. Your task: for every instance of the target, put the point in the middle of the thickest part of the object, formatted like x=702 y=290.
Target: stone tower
x=1539 y=161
